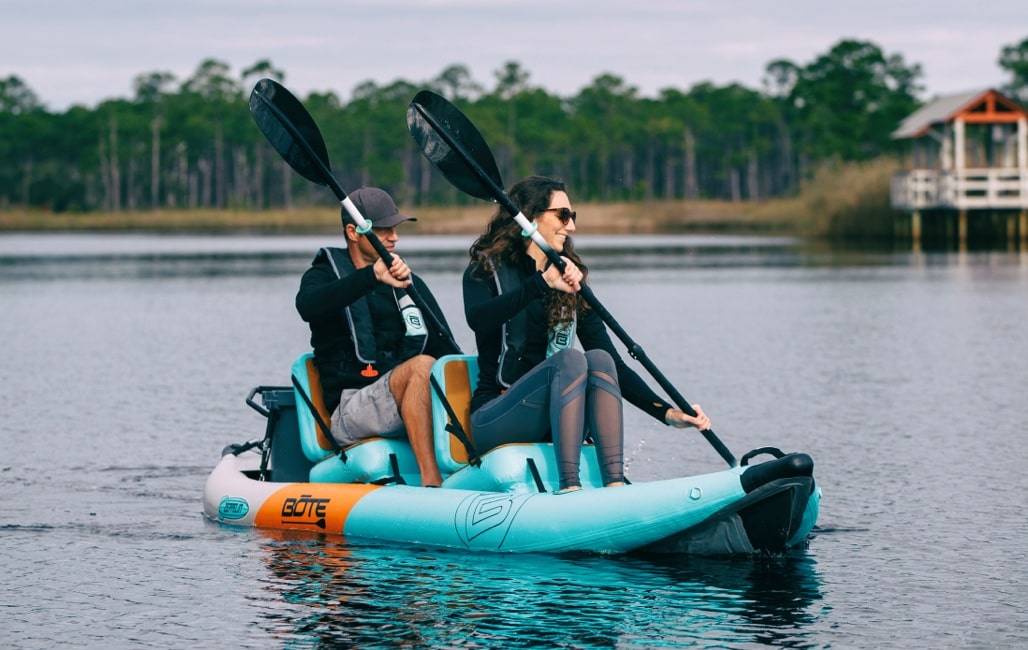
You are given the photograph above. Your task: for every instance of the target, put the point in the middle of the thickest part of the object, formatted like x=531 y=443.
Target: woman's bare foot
x=615 y=484
x=570 y=488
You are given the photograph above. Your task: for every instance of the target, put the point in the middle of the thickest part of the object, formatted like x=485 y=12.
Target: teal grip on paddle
x=365 y=229
x=529 y=233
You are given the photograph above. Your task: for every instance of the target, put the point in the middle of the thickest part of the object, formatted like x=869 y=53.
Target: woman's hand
x=680 y=420
x=569 y=282
x=397 y=275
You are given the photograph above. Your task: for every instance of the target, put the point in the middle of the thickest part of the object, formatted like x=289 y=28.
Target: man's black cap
x=377 y=207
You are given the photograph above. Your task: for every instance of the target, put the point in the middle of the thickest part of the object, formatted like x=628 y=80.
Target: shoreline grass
x=623 y=217
x=845 y=201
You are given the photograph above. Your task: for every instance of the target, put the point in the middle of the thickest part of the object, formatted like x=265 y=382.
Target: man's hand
x=397 y=275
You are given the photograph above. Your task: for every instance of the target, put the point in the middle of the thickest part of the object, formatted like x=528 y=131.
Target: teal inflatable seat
x=375 y=460
x=518 y=467
x=507 y=468
x=457 y=375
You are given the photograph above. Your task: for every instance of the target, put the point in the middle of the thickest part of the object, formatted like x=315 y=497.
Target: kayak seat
x=509 y=468
x=373 y=460
x=457 y=375
x=515 y=467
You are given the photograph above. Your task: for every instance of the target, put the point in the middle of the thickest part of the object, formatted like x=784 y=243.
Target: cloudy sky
x=82 y=51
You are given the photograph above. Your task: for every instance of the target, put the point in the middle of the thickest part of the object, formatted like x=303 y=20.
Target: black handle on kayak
x=254 y=405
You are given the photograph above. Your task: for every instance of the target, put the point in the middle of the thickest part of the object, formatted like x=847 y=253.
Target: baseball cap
x=378 y=207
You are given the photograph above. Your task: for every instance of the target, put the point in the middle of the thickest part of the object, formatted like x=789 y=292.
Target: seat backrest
x=316 y=445
x=457 y=374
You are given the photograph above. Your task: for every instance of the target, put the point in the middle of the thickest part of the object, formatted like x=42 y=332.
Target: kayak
x=504 y=501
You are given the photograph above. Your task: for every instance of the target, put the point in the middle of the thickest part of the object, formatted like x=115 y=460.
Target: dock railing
x=968 y=189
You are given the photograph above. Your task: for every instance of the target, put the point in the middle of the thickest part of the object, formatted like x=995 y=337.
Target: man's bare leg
x=409 y=383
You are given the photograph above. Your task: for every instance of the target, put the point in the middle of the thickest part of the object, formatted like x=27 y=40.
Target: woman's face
x=551 y=226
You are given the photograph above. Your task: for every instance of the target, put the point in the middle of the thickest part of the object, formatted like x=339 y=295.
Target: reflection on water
x=327 y=591
x=125 y=360
x=98 y=256
x=43 y=257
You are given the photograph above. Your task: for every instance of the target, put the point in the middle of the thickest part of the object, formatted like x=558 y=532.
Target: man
x=372 y=347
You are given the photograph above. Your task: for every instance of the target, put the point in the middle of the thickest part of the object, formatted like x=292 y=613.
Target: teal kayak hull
x=708 y=514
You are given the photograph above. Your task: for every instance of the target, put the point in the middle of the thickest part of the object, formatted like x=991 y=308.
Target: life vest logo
x=232 y=508
x=305 y=511
x=414 y=320
x=482 y=514
x=559 y=338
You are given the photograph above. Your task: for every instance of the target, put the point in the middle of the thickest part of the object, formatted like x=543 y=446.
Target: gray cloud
x=78 y=52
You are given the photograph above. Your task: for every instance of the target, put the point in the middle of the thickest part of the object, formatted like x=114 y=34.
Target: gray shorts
x=367 y=412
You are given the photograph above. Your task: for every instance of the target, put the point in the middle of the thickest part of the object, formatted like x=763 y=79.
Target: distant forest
x=191 y=143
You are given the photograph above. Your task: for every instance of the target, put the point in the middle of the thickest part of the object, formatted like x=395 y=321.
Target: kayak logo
x=483 y=520
x=233 y=508
x=305 y=511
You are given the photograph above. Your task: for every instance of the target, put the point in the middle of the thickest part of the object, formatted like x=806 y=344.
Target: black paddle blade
x=275 y=110
x=433 y=121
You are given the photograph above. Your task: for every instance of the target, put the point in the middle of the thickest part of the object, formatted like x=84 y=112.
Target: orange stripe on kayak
x=317 y=507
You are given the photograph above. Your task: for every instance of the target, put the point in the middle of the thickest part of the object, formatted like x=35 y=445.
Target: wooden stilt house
x=969 y=152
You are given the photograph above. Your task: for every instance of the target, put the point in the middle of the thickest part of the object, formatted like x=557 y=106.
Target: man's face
x=388 y=237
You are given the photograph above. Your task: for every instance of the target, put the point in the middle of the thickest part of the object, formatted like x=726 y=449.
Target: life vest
x=358 y=317
x=515 y=331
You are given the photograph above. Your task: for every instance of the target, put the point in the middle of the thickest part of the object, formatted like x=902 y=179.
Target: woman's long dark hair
x=502 y=242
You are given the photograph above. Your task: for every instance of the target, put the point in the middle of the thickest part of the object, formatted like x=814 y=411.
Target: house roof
x=934 y=112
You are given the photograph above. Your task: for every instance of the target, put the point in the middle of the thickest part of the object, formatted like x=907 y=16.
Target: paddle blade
x=435 y=123
x=288 y=127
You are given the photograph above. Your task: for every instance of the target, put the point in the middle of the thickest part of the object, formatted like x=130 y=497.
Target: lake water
x=125 y=360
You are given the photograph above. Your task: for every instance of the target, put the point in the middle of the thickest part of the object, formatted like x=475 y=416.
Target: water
x=125 y=360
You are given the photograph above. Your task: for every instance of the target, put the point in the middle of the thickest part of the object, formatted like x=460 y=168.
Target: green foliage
x=16 y=97
x=845 y=103
x=191 y=143
x=1014 y=59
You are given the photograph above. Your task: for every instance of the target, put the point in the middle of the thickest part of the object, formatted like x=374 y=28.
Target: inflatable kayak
x=504 y=501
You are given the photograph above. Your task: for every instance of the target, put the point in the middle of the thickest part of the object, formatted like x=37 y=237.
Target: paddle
x=292 y=132
x=453 y=144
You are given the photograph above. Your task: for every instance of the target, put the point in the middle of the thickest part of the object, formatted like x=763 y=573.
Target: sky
x=84 y=51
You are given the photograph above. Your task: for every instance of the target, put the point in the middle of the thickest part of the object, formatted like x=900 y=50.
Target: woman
x=525 y=315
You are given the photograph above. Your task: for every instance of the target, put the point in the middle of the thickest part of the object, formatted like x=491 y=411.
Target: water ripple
x=900 y=374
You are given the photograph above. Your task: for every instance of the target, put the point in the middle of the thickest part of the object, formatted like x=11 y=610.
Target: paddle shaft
x=355 y=215
x=634 y=349
x=637 y=353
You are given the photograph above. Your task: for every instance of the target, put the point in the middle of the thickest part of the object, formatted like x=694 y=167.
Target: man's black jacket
x=321 y=301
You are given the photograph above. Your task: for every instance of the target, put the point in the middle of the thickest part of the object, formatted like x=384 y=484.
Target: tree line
x=191 y=143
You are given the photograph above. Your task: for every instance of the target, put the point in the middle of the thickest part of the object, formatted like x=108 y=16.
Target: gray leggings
x=568 y=396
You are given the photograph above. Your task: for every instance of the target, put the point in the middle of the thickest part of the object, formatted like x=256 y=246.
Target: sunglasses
x=564 y=214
